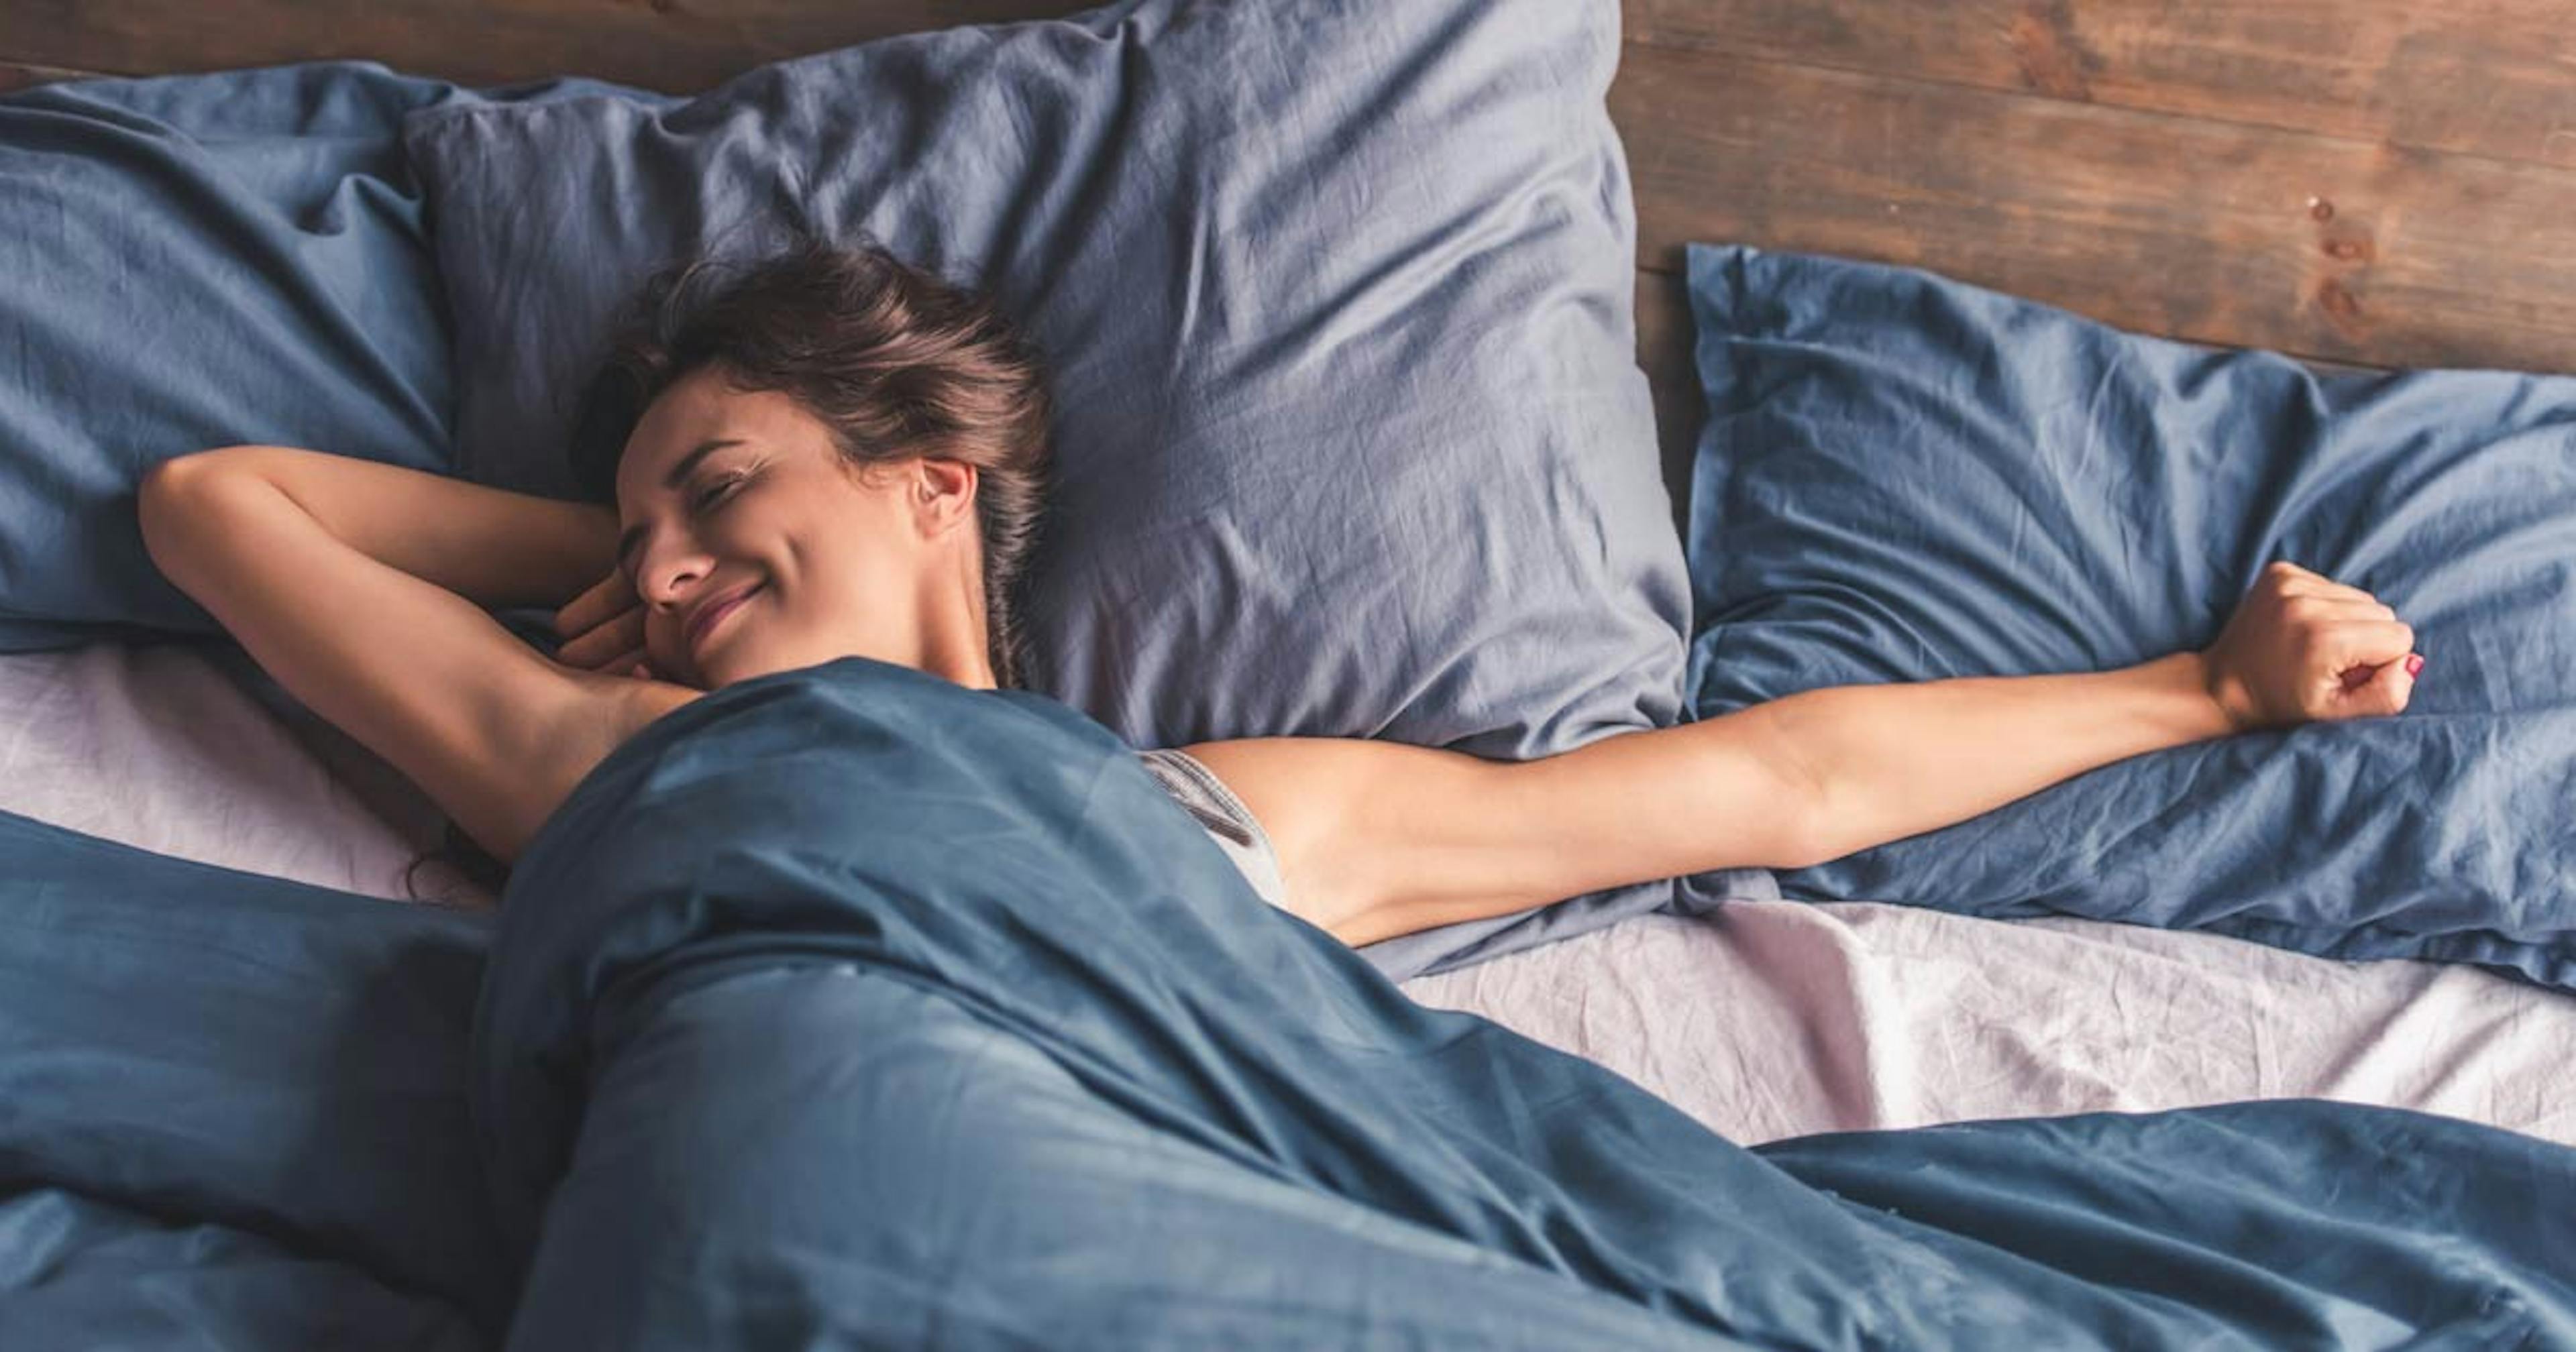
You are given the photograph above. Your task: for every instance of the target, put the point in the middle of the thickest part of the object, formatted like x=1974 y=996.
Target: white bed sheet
x=1767 y=1020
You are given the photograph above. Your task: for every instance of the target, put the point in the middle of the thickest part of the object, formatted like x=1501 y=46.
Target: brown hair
x=894 y=360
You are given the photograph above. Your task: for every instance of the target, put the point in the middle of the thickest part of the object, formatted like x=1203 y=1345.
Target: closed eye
x=717 y=490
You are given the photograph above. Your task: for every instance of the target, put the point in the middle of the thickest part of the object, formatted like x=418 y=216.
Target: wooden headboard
x=2370 y=182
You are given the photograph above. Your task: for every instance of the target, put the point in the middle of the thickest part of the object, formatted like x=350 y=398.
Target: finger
x=2293 y=580
x=2330 y=588
x=574 y=615
x=2322 y=588
x=2346 y=608
x=631 y=662
x=605 y=599
x=595 y=647
x=2385 y=693
x=2350 y=643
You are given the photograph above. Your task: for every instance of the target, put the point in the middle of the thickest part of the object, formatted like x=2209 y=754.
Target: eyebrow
x=679 y=474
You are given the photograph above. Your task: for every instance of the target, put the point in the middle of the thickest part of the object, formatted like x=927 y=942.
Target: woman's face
x=724 y=494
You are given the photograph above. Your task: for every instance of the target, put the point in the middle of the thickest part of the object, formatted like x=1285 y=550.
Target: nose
x=664 y=576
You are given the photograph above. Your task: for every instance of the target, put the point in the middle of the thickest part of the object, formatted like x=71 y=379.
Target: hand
x=603 y=630
x=2302 y=646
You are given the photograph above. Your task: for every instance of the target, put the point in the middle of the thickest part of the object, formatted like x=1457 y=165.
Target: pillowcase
x=1904 y=478
x=1336 y=299
x=187 y=262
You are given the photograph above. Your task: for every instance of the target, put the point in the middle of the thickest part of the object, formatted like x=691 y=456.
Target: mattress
x=1764 y=1020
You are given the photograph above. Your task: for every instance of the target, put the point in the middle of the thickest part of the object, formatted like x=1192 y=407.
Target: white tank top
x=1229 y=823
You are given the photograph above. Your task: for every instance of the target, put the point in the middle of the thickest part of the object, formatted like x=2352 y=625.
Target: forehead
x=700 y=408
x=697 y=408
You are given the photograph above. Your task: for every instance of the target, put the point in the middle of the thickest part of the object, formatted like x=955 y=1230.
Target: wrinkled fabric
x=848 y=1005
x=852 y=1003
x=1335 y=300
x=78 y=1274
x=192 y=261
x=245 y=1095
x=1765 y=1020
x=189 y=262
x=1906 y=478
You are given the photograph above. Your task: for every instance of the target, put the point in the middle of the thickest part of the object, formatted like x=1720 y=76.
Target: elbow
x=1810 y=852
x=175 y=473
x=170 y=480
x=1803 y=826
x=1815 y=833
x=156 y=506
x=1813 y=823
x=176 y=510
x=163 y=480
x=157 y=501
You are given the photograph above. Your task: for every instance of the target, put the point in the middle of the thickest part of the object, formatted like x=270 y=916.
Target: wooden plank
x=1665 y=342
x=676 y=46
x=2485 y=77
x=14 y=75
x=2210 y=231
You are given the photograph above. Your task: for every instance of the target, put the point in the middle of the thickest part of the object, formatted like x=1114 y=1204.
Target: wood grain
x=14 y=75
x=2211 y=231
x=2485 y=77
x=674 y=46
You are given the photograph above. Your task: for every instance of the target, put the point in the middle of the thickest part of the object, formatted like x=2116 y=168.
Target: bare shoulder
x=1388 y=838
x=1340 y=811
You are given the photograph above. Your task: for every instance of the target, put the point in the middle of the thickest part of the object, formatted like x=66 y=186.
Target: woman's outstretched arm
x=1378 y=839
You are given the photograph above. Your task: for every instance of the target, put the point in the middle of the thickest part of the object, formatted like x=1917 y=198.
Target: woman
x=830 y=454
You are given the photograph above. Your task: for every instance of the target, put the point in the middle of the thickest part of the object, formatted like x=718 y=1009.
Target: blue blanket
x=850 y=1006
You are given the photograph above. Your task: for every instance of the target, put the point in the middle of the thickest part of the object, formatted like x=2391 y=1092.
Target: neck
x=953 y=640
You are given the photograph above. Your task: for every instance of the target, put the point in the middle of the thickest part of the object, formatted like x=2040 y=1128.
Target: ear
x=945 y=494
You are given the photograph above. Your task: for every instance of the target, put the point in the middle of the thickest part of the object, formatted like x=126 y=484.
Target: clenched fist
x=2302 y=647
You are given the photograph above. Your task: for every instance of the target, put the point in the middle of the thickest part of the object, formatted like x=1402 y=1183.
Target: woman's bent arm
x=489 y=727
x=493 y=547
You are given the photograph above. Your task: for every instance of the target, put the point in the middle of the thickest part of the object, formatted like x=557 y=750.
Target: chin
x=724 y=672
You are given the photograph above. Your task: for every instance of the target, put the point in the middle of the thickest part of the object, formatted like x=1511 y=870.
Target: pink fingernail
x=2414 y=663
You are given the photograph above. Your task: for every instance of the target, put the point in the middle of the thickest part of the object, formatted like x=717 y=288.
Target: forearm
x=1890 y=761
x=493 y=547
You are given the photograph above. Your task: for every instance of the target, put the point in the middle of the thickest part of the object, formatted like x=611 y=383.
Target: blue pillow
x=1904 y=478
x=1337 y=303
x=187 y=262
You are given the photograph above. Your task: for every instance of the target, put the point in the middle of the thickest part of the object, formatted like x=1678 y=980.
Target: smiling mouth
x=706 y=628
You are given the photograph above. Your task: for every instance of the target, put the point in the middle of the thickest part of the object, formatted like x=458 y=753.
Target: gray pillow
x=1336 y=300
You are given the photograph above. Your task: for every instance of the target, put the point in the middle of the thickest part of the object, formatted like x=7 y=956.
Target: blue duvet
x=850 y=1007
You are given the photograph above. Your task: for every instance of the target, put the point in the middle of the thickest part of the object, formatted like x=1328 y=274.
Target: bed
x=1767 y=1020
x=2273 y=189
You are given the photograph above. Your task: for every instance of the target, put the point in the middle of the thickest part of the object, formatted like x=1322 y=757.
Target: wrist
x=2231 y=702
x=585 y=551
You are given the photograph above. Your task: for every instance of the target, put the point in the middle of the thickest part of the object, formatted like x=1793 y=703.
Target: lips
x=715 y=610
